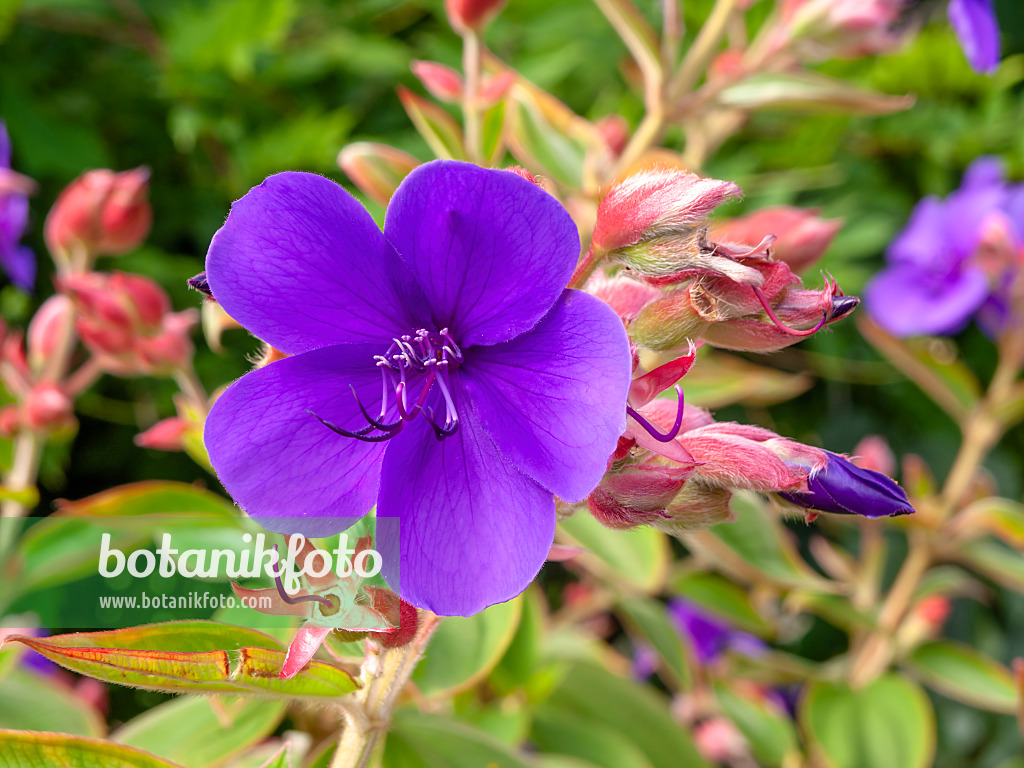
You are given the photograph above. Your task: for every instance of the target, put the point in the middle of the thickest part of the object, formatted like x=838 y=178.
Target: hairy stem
x=471 y=68
x=384 y=675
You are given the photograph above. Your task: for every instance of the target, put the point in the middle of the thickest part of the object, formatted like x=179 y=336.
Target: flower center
x=413 y=366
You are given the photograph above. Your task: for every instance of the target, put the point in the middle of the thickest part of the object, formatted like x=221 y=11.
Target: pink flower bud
x=727 y=65
x=801 y=237
x=466 y=15
x=495 y=88
x=102 y=212
x=933 y=610
x=614 y=130
x=821 y=29
x=655 y=204
x=165 y=435
x=47 y=327
x=719 y=741
x=10 y=420
x=47 y=407
x=874 y=453
x=441 y=81
x=622 y=293
x=376 y=169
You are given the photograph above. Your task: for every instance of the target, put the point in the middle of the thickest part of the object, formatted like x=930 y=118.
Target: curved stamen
x=392 y=427
x=361 y=434
x=449 y=429
x=782 y=326
x=650 y=429
x=298 y=598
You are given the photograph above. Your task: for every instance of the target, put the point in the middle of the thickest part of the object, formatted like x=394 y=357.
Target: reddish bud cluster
x=101 y=212
x=801 y=236
x=126 y=322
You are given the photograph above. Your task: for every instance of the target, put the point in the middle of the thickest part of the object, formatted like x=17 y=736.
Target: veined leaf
x=964 y=674
x=20 y=749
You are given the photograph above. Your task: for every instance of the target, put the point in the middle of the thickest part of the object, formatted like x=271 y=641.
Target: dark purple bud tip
x=842 y=306
x=844 y=488
x=200 y=283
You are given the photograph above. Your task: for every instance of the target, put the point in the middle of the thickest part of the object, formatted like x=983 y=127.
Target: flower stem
x=384 y=675
x=471 y=68
x=192 y=388
x=703 y=48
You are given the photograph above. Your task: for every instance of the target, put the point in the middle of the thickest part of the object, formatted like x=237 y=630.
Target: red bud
x=47 y=327
x=466 y=15
x=802 y=237
x=443 y=82
x=47 y=407
x=165 y=435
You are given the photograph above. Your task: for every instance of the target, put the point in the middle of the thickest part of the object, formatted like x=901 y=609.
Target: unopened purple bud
x=844 y=488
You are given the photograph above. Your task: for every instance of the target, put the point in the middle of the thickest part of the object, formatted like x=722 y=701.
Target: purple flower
x=977 y=28
x=710 y=637
x=439 y=370
x=933 y=285
x=841 y=486
x=15 y=259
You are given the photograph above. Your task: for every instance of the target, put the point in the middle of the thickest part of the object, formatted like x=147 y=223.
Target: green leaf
x=887 y=724
x=563 y=733
x=637 y=558
x=464 y=649
x=638 y=36
x=1002 y=518
x=31 y=702
x=757 y=547
x=439 y=129
x=649 y=619
x=808 y=92
x=418 y=740
x=220 y=659
x=994 y=559
x=20 y=749
x=65 y=546
x=199 y=733
x=540 y=145
x=770 y=733
x=964 y=674
x=722 y=597
x=722 y=379
x=521 y=658
x=283 y=759
x=638 y=713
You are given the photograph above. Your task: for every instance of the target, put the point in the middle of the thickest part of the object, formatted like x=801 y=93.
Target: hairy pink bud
x=47 y=328
x=47 y=407
x=165 y=435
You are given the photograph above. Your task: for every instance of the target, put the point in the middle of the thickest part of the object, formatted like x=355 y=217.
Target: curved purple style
x=439 y=370
x=844 y=488
x=932 y=284
x=977 y=29
x=15 y=259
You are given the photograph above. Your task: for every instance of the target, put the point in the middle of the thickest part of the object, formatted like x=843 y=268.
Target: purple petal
x=20 y=265
x=554 y=399
x=708 y=636
x=984 y=172
x=908 y=301
x=474 y=531
x=277 y=461
x=845 y=488
x=302 y=265
x=968 y=207
x=5 y=146
x=491 y=250
x=923 y=241
x=977 y=28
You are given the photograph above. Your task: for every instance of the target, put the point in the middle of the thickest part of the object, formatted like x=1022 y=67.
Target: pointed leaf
x=995 y=560
x=768 y=730
x=1001 y=517
x=720 y=596
x=638 y=36
x=437 y=127
x=649 y=620
x=964 y=674
x=464 y=649
x=220 y=659
x=418 y=740
x=30 y=702
x=809 y=92
x=21 y=749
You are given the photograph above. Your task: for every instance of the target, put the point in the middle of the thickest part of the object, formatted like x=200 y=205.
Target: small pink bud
x=376 y=169
x=47 y=328
x=441 y=81
x=622 y=293
x=495 y=88
x=614 y=130
x=165 y=435
x=102 y=212
x=47 y=407
x=801 y=236
x=719 y=741
x=465 y=15
x=874 y=453
x=167 y=351
x=726 y=65
x=934 y=610
x=10 y=420
x=822 y=29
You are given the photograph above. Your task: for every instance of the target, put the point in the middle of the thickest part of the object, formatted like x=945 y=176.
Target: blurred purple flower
x=842 y=487
x=933 y=284
x=493 y=386
x=977 y=28
x=15 y=259
x=709 y=636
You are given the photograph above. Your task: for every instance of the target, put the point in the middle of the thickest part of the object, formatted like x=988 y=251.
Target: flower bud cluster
x=126 y=322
